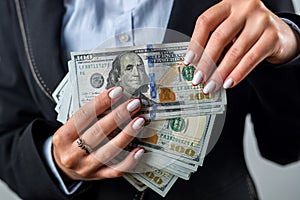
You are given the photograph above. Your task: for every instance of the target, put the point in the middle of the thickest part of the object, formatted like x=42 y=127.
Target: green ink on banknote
x=188 y=73
x=177 y=124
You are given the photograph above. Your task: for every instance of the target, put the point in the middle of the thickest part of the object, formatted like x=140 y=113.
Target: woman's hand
x=82 y=133
x=238 y=35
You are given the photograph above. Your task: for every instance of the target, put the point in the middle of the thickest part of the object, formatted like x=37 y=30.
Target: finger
x=116 y=145
x=253 y=57
x=68 y=159
x=220 y=38
x=126 y=165
x=205 y=24
x=88 y=113
x=92 y=170
x=105 y=153
x=64 y=138
x=106 y=125
x=247 y=38
x=208 y=21
x=85 y=165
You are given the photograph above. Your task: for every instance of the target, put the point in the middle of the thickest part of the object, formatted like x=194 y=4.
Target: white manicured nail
x=139 y=154
x=210 y=86
x=228 y=83
x=197 y=78
x=188 y=58
x=134 y=104
x=116 y=92
x=138 y=123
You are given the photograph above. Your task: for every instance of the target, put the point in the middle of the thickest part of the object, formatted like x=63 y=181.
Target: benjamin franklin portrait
x=128 y=71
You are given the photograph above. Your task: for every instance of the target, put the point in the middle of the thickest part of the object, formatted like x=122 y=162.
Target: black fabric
x=276 y=123
x=27 y=117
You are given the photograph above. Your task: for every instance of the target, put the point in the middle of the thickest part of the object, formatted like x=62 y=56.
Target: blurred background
x=274 y=182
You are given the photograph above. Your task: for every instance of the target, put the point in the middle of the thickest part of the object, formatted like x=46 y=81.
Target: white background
x=273 y=182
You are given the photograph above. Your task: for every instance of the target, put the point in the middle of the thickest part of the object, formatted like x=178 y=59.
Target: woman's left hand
x=250 y=32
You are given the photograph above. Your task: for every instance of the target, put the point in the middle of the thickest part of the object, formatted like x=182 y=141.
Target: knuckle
x=105 y=157
x=127 y=135
x=118 y=115
x=273 y=34
x=254 y=5
x=83 y=173
x=202 y=21
x=251 y=58
x=122 y=139
x=56 y=139
x=105 y=101
x=81 y=115
x=219 y=36
x=67 y=161
x=116 y=173
x=234 y=54
x=97 y=130
x=263 y=19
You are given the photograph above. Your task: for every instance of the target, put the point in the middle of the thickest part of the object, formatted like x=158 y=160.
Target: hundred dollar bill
x=179 y=138
x=59 y=92
x=160 y=160
x=64 y=102
x=65 y=105
x=158 y=180
x=165 y=113
x=134 y=182
x=60 y=89
x=185 y=175
x=187 y=112
x=154 y=73
x=152 y=160
x=177 y=170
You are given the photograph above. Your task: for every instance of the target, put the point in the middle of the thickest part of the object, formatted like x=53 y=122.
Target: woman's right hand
x=83 y=128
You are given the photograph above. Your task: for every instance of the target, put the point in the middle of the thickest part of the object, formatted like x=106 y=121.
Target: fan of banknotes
x=181 y=116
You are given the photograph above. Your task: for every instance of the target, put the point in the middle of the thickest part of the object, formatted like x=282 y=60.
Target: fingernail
x=228 y=83
x=134 y=104
x=139 y=154
x=210 y=86
x=116 y=92
x=197 y=78
x=138 y=123
x=188 y=58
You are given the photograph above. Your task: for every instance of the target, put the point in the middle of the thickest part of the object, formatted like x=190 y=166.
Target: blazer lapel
x=184 y=14
x=40 y=24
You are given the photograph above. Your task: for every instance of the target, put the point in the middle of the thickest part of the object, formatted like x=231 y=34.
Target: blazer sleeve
x=23 y=129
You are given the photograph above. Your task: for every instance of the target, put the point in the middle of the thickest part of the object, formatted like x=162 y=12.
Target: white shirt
x=87 y=24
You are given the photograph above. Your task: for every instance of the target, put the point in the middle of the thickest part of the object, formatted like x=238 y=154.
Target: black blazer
x=31 y=66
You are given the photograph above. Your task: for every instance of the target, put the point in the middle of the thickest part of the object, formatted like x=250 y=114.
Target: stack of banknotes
x=180 y=116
